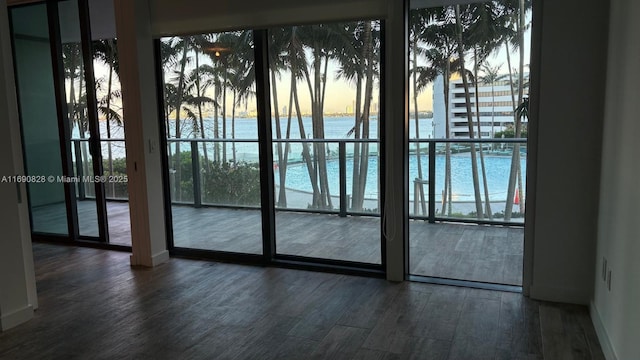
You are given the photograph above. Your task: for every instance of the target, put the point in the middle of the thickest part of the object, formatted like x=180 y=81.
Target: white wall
x=564 y=196
x=616 y=313
x=170 y=17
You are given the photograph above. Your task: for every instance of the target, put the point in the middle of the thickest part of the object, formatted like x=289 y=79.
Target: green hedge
x=221 y=183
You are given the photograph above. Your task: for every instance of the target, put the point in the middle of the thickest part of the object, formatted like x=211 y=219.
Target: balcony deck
x=447 y=250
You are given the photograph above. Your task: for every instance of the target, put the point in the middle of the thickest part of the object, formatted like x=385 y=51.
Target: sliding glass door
x=326 y=126
x=282 y=169
x=467 y=140
x=212 y=141
x=89 y=194
x=41 y=135
x=59 y=120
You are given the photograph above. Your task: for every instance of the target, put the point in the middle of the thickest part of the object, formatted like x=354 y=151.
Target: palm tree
x=175 y=52
x=479 y=27
x=369 y=34
x=73 y=71
x=446 y=34
x=242 y=77
x=319 y=40
x=309 y=49
x=77 y=99
x=223 y=59
x=358 y=54
x=230 y=54
x=474 y=163
x=211 y=76
x=179 y=99
x=277 y=63
x=515 y=85
x=483 y=35
x=421 y=76
x=440 y=35
x=290 y=49
x=516 y=11
x=169 y=57
x=195 y=84
x=107 y=52
x=479 y=56
x=351 y=59
x=288 y=52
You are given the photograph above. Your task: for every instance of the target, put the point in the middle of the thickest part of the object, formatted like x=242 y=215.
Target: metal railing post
x=195 y=170
x=343 y=177
x=432 y=181
x=78 y=150
x=416 y=194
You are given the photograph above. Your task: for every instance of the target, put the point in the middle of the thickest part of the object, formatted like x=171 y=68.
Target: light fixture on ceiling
x=217 y=49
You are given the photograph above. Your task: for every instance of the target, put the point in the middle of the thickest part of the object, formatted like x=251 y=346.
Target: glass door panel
x=466 y=180
x=212 y=141
x=55 y=134
x=41 y=141
x=325 y=91
x=111 y=121
x=79 y=118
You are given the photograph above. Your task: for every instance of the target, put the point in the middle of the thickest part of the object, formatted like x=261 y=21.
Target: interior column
x=142 y=133
x=396 y=137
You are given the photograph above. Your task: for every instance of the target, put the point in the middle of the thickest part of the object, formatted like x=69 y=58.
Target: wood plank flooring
x=93 y=305
x=465 y=252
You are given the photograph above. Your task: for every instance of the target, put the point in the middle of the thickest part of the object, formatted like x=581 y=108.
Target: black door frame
x=64 y=130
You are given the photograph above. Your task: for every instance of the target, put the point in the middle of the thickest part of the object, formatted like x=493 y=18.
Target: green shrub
x=510 y=133
x=231 y=183
x=118 y=190
x=500 y=215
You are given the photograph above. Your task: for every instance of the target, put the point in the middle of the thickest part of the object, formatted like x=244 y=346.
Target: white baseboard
x=160 y=258
x=154 y=261
x=563 y=295
x=15 y=318
x=603 y=337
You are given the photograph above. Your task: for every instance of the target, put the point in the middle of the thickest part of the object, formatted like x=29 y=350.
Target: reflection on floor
x=466 y=252
x=52 y=219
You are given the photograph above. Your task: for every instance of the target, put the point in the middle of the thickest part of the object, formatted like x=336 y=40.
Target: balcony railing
x=430 y=199
x=229 y=175
x=299 y=195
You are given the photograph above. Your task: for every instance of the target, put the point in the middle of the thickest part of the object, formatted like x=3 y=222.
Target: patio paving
x=448 y=250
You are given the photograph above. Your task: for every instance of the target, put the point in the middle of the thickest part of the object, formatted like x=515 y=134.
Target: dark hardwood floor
x=93 y=305
x=456 y=251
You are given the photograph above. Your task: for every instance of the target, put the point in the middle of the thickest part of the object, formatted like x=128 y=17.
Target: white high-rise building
x=496 y=108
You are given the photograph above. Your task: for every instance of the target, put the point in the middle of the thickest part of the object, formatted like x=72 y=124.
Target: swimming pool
x=497 y=172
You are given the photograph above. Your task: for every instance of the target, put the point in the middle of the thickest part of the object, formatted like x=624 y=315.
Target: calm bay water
x=335 y=127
